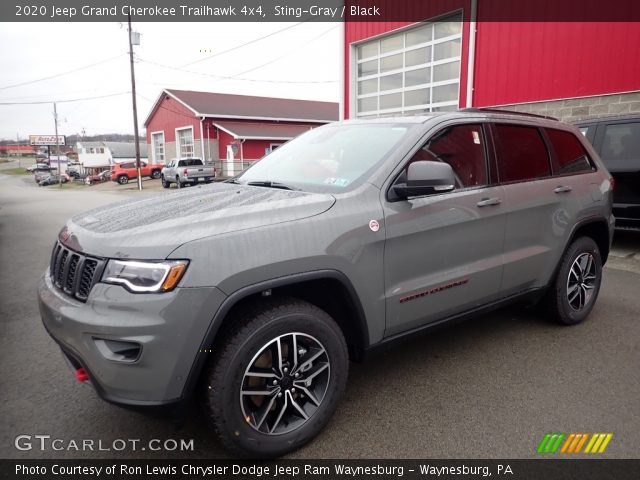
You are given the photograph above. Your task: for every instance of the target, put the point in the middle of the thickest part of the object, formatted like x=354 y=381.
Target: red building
x=231 y=130
x=15 y=150
x=530 y=56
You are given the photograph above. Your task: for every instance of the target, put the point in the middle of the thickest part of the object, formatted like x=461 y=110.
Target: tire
x=155 y=174
x=575 y=289
x=236 y=418
x=208 y=181
x=123 y=179
x=180 y=184
x=165 y=184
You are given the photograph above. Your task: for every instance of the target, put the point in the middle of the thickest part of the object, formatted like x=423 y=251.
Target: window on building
x=522 y=153
x=185 y=142
x=570 y=155
x=462 y=147
x=414 y=71
x=157 y=142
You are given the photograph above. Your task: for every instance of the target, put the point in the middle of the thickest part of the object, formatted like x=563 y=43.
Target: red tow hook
x=81 y=375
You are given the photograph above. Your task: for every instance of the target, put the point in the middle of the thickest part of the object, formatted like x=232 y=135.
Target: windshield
x=327 y=159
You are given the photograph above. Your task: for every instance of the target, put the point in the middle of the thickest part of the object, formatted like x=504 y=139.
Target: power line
x=60 y=74
x=67 y=100
x=244 y=44
x=237 y=75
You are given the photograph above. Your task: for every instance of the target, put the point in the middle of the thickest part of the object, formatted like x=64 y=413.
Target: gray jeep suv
x=255 y=293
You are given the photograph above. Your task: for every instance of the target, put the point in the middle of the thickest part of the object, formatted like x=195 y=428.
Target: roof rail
x=507 y=112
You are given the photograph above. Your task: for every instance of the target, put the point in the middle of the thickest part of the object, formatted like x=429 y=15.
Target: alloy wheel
x=582 y=281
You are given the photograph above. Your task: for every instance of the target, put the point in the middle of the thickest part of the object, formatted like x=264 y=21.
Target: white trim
x=471 y=59
x=250 y=137
x=341 y=70
x=180 y=101
x=215 y=115
x=204 y=159
x=179 y=146
x=153 y=146
x=560 y=98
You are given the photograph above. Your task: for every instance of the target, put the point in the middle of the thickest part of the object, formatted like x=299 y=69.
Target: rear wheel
x=123 y=179
x=155 y=174
x=180 y=185
x=277 y=378
x=577 y=284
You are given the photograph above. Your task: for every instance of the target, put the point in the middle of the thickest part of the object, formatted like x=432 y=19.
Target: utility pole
x=55 y=119
x=135 y=108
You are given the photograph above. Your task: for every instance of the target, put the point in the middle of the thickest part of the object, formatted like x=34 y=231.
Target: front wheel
x=277 y=378
x=575 y=289
x=165 y=184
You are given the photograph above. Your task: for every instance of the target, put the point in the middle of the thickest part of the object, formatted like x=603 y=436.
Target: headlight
x=139 y=277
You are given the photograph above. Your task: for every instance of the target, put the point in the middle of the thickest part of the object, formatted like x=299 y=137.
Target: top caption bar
x=315 y=11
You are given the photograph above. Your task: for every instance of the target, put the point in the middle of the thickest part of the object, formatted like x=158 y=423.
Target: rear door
x=443 y=252
x=545 y=194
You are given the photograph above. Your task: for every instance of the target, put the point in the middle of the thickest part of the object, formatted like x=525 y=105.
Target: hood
x=155 y=226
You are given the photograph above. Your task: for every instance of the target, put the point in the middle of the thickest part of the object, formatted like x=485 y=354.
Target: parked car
x=187 y=171
x=617 y=141
x=74 y=169
x=123 y=172
x=98 y=178
x=53 y=179
x=43 y=167
x=255 y=293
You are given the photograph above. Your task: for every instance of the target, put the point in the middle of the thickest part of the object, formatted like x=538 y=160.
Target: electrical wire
x=61 y=74
x=69 y=100
x=243 y=45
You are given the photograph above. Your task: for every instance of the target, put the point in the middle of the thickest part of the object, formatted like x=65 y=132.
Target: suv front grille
x=73 y=273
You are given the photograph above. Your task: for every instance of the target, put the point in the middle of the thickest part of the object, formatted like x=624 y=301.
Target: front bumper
x=168 y=328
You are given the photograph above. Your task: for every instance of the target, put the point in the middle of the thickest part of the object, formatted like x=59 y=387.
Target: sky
x=294 y=60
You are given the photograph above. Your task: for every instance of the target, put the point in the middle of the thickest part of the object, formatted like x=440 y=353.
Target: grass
x=15 y=171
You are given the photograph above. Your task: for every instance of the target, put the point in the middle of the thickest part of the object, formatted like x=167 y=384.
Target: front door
x=443 y=252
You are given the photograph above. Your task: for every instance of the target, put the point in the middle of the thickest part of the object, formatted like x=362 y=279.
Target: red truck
x=123 y=172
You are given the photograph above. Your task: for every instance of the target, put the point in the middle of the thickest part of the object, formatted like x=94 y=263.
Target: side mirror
x=425 y=178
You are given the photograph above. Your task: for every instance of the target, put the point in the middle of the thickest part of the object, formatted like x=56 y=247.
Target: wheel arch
x=598 y=230
x=329 y=290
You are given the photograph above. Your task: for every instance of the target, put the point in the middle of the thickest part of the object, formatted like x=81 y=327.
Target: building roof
x=118 y=149
x=222 y=105
x=262 y=131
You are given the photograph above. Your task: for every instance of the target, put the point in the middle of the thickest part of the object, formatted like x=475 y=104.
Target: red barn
x=573 y=59
x=231 y=130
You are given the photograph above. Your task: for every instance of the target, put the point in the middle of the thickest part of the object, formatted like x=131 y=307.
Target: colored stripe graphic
x=572 y=443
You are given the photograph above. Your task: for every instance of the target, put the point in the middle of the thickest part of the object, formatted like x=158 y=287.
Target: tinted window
x=462 y=147
x=522 y=154
x=621 y=142
x=570 y=155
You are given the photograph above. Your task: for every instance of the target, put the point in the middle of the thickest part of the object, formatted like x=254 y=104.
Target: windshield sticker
x=338 y=182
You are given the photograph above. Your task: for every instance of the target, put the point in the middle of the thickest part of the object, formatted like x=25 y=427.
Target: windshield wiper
x=270 y=184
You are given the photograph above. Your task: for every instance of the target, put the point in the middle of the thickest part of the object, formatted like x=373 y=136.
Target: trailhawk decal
x=433 y=290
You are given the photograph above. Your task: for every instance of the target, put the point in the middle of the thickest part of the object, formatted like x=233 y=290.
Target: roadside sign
x=46 y=140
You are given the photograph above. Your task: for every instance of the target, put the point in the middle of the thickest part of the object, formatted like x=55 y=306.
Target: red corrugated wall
x=532 y=61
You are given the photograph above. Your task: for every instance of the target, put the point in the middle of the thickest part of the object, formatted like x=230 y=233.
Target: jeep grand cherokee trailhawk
x=255 y=293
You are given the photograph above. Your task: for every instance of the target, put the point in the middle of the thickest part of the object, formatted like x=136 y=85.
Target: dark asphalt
x=488 y=388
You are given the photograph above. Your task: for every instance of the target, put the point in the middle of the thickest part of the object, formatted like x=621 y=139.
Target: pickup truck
x=187 y=171
x=123 y=172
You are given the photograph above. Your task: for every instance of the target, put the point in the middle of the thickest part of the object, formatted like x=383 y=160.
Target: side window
x=181 y=163
x=621 y=142
x=522 y=153
x=462 y=147
x=570 y=155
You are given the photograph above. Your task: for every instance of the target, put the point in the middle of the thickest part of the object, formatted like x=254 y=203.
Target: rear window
x=621 y=144
x=522 y=153
x=570 y=156
x=190 y=162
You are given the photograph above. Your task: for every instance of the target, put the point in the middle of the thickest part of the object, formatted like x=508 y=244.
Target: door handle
x=562 y=189
x=486 y=202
